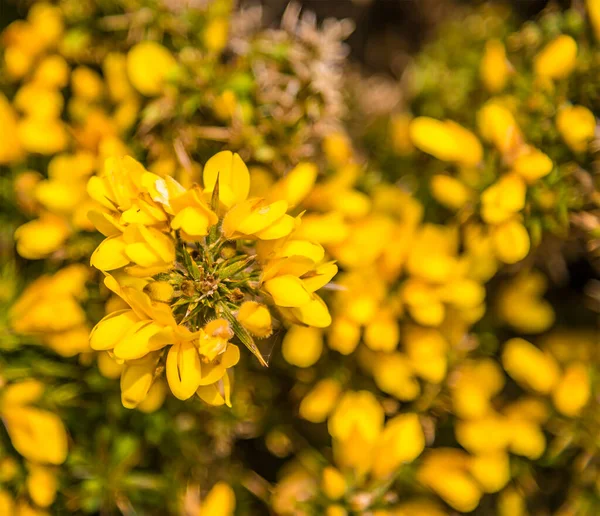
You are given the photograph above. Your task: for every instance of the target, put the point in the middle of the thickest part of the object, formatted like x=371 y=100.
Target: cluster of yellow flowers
x=40 y=437
x=197 y=267
x=438 y=372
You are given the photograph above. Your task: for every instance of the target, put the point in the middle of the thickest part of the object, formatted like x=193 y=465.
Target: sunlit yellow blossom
x=498 y=126
x=355 y=426
x=426 y=350
x=320 y=401
x=557 y=59
x=333 y=483
x=577 y=126
x=494 y=68
x=529 y=365
x=503 y=199
x=511 y=241
x=149 y=64
x=572 y=392
x=449 y=191
x=532 y=164
x=446 y=140
x=215 y=34
x=401 y=441
x=445 y=471
x=521 y=306
x=301 y=346
x=36 y=434
x=475 y=384
x=491 y=470
x=42 y=484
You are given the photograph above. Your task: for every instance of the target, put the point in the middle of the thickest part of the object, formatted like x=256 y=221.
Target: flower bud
x=256 y=318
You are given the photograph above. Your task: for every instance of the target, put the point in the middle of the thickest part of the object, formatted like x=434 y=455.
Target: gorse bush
x=241 y=277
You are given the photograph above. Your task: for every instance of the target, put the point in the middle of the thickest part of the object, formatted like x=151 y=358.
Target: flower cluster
x=197 y=267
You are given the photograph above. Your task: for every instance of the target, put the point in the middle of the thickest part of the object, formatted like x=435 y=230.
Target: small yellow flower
x=401 y=441
x=557 y=59
x=355 y=427
x=511 y=241
x=449 y=192
x=343 y=335
x=491 y=470
x=333 y=483
x=52 y=72
x=577 y=126
x=320 y=401
x=41 y=485
x=532 y=164
x=426 y=349
x=215 y=35
x=446 y=140
x=530 y=366
x=521 y=306
x=86 y=83
x=38 y=435
x=498 y=126
x=494 y=69
x=41 y=237
x=503 y=199
x=220 y=501
x=393 y=374
x=573 y=390
x=337 y=148
x=42 y=136
x=382 y=333
x=149 y=64
x=445 y=471
x=302 y=346
x=593 y=9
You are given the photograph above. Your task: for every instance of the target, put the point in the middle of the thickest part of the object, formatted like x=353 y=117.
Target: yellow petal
x=287 y=291
x=137 y=342
x=183 y=370
x=192 y=221
x=314 y=313
x=37 y=435
x=234 y=178
x=112 y=329
x=136 y=380
x=295 y=186
x=105 y=223
x=283 y=227
x=110 y=254
x=321 y=276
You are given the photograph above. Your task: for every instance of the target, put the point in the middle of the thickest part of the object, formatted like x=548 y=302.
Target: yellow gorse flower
x=198 y=267
x=37 y=434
